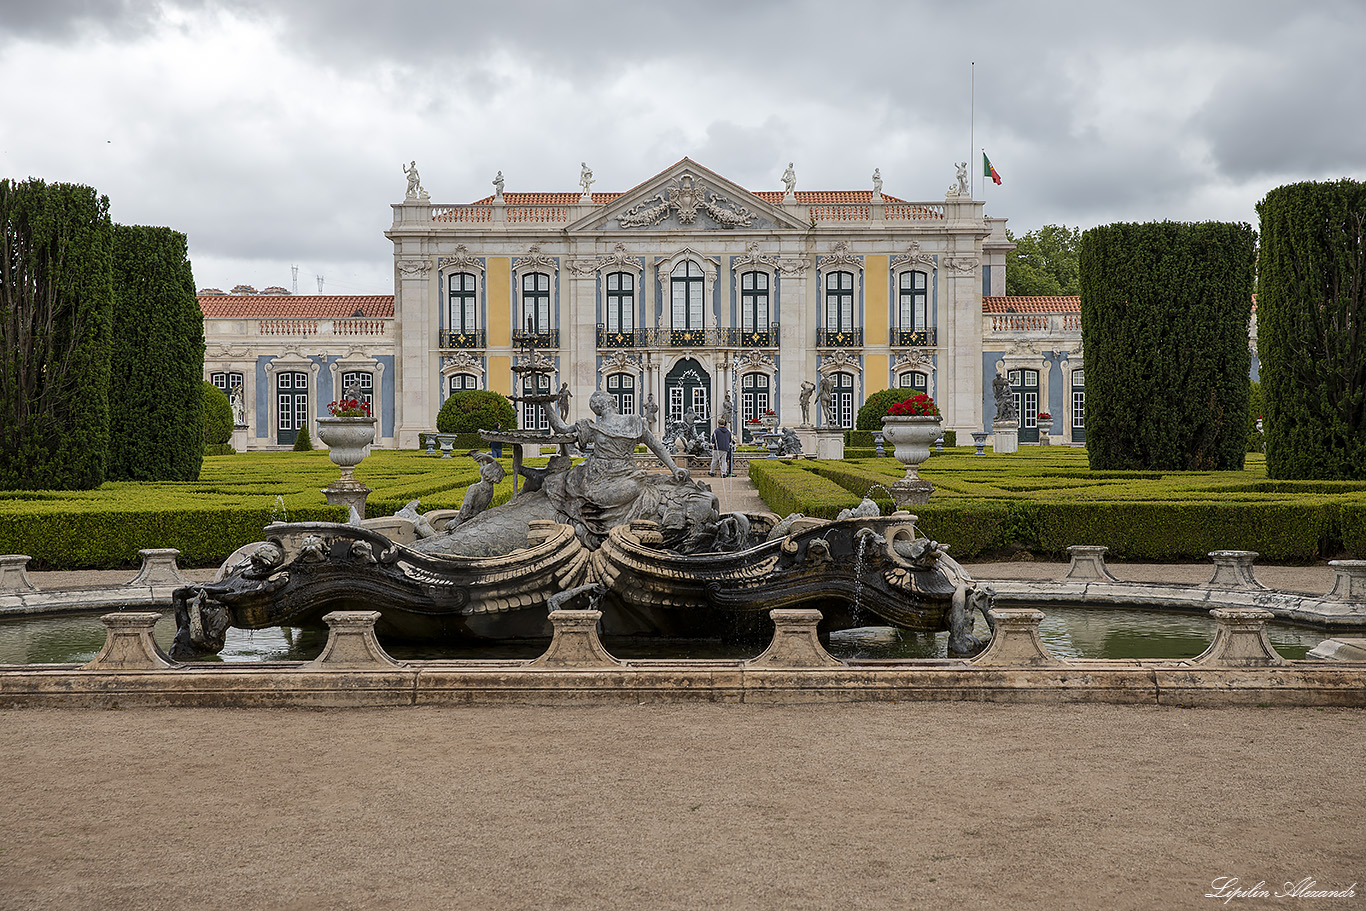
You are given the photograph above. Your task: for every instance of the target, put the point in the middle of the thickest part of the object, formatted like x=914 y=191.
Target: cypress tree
x=55 y=309
x=1311 y=327
x=1165 y=310
x=156 y=405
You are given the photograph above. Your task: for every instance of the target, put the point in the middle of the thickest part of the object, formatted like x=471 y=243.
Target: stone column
x=416 y=372
x=581 y=373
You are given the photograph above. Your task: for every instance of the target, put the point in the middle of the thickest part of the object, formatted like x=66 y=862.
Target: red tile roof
x=546 y=199
x=296 y=306
x=1031 y=305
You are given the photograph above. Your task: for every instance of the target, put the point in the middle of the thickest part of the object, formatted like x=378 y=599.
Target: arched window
x=622 y=388
x=686 y=290
x=754 y=304
x=460 y=381
x=914 y=379
x=464 y=311
x=755 y=398
x=536 y=303
x=912 y=307
x=839 y=301
x=533 y=414
x=621 y=296
x=843 y=396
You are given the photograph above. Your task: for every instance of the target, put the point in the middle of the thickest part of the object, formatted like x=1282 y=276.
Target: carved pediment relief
x=913 y=257
x=687 y=195
x=461 y=261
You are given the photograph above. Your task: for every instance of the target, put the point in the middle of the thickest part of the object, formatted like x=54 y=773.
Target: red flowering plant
x=919 y=405
x=349 y=408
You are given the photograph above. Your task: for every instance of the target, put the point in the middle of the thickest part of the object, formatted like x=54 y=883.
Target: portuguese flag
x=989 y=171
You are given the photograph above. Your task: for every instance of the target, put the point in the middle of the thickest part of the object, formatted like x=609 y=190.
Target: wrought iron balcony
x=839 y=338
x=723 y=337
x=545 y=339
x=450 y=339
x=918 y=338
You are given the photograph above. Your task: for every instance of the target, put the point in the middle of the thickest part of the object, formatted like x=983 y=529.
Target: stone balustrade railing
x=1013 y=324
x=351 y=326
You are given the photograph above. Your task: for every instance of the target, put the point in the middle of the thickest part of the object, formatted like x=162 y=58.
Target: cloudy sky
x=273 y=133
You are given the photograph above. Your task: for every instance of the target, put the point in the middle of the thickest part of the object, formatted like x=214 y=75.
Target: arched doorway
x=688 y=386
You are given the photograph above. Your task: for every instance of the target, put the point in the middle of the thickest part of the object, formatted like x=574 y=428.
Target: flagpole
x=972 y=126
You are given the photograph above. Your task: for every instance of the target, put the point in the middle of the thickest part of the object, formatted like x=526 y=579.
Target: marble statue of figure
x=877 y=182
x=790 y=445
x=585 y=177
x=728 y=410
x=563 y=397
x=789 y=180
x=415 y=190
x=479 y=495
x=826 y=395
x=607 y=489
x=498 y=186
x=962 y=167
x=651 y=411
x=237 y=398
x=1005 y=401
x=808 y=387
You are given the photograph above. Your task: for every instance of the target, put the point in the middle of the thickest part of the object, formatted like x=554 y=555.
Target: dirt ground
x=695 y=806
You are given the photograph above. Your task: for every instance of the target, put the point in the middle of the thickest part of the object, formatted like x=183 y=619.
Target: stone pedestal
x=1241 y=639
x=1233 y=570
x=829 y=443
x=1088 y=564
x=159 y=568
x=1349 y=580
x=807 y=434
x=795 y=643
x=351 y=643
x=352 y=496
x=129 y=645
x=576 y=643
x=14 y=574
x=1005 y=436
x=1015 y=640
x=240 y=439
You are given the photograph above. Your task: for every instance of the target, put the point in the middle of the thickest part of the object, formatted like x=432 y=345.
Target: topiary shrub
x=875 y=407
x=217 y=415
x=304 y=441
x=471 y=410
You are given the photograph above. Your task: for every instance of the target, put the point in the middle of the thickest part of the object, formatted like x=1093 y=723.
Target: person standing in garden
x=721 y=445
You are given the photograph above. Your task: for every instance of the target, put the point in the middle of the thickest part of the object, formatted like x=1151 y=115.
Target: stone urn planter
x=912 y=438
x=348 y=442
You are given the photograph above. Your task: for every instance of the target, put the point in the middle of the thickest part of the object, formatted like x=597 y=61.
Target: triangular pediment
x=688 y=196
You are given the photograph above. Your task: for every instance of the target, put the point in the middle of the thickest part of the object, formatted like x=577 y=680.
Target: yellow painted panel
x=874 y=373
x=500 y=303
x=875 y=309
x=500 y=374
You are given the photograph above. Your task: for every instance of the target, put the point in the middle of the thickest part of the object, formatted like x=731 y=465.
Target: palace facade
x=687 y=289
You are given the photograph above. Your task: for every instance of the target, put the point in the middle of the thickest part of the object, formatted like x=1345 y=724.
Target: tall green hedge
x=1164 y=311
x=1311 y=329
x=217 y=415
x=156 y=404
x=56 y=297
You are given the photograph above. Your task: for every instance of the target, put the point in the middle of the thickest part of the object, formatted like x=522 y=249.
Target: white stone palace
x=688 y=289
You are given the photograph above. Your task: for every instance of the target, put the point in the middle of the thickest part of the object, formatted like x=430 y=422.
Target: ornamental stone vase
x=912 y=438
x=348 y=442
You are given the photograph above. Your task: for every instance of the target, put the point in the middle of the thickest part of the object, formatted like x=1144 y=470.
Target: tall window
x=226 y=382
x=461 y=381
x=686 y=285
x=622 y=387
x=839 y=301
x=291 y=402
x=754 y=396
x=463 y=310
x=912 y=300
x=1078 y=406
x=844 y=399
x=536 y=303
x=533 y=414
x=754 y=302
x=365 y=379
x=1024 y=386
x=621 y=296
x=914 y=379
